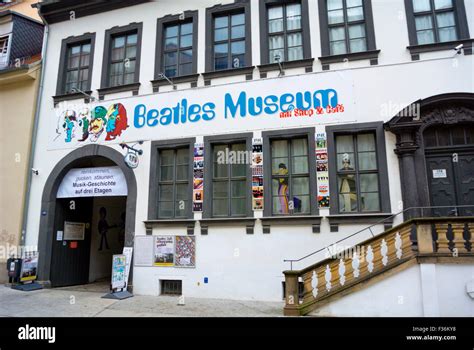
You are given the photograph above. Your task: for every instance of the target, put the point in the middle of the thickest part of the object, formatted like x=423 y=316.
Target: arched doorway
x=435 y=147
x=56 y=211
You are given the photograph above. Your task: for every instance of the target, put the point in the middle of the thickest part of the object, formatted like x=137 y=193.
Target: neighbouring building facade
x=21 y=39
x=220 y=138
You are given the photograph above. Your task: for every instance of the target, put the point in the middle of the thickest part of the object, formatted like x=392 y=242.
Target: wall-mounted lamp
x=278 y=60
x=163 y=76
x=90 y=97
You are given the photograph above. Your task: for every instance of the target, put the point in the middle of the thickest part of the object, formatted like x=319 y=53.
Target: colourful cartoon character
x=69 y=124
x=98 y=122
x=84 y=123
x=116 y=121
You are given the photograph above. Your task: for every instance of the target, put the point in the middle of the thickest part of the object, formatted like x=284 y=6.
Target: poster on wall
x=322 y=175
x=185 y=251
x=257 y=174
x=198 y=177
x=29 y=268
x=128 y=252
x=119 y=264
x=93 y=182
x=74 y=231
x=143 y=252
x=163 y=251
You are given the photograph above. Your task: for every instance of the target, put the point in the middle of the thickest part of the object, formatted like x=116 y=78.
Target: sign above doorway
x=93 y=182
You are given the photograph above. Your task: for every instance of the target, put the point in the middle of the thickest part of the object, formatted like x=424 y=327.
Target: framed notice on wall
x=74 y=231
x=143 y=253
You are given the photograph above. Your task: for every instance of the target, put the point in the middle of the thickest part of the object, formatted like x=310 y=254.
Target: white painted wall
x=425 y=290
x=257 y=272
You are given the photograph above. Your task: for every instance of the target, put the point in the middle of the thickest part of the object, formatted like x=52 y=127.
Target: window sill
x=228 y=221
x=292 y=220
x=191 y=78
x=366 y=55
x=304 y=63
x=354 y=218
x=72 y=96
x=121 y=88
x=189 y=223
x=247 y=71
x=449 y=45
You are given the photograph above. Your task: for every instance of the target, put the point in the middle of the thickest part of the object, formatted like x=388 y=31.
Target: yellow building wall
x=18 y=91
x=24 y=7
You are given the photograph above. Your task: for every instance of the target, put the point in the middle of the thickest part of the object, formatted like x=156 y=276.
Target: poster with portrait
x=322 y=175
x=29 y=268
x=163 y=251
x=185 y=251
x=257 y=174
x=198 y=177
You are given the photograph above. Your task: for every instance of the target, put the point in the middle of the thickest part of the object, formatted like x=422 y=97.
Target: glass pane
x=238 y=32
x=220 y=207
x=367 y=161
x=334 y=4
x=336 y=34
x=299 y=147
x=421 y=5
x=167 y=157
x=186 y=56
x=279 y=148
x=238 y=47
x=293 y=10
x=221 y=34
x=280 y=166
x=293 y=23
x=171 y=31
x=238 y=19
x=182 y=172
x=129 y=78
x=166 y=193
x=369 y=182
x=276 y=42
x=301 y=204
x=221 y=50
x=447 y=34
x=72 y=76
x=445 y=19
x=186 y=28
x=185 y=69
x=131 y=52
x=171 y=71
x=186 y=40
x=293 y=16
x=118 y=42
x=370 y=202
x=221 y=22
x=355 y=14
x=344 y=143
x=300 y=186
x=277 y=55
x=240 y=161
x=356 y=31
x=423 y=22
x=358 y=45
x=275 y=12
x=86 y=48
x=132 y=39
x=85 y=60
x=84 y=75
x=181 y=191
x=220 y=189
x=75 y=50
x=425 y=37
x=118 y=54
x=353 y=3
x=238 y=188
x=181 y=207
x=300 y=165
x=345 y=161
x=171 y=43
x=443 y=4
x=347 y=193
x=221 y=63
x=295 y=53
x=170 y=59
x=238 y=206
x=275 y=25
x=336 y=16
x=165 y=209
x=294 y=39
x=220 y=170
x=74 y=62
x=182 y=156
x=430 y=138
x=166 y=173
x=338 y=47
x=365 y=142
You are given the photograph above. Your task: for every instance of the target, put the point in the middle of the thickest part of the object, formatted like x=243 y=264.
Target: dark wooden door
x=70 y=261
x=451 y=183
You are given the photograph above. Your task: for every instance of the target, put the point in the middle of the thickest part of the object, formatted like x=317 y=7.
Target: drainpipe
x=35 y=131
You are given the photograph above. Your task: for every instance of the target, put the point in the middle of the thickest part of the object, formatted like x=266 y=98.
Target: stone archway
x=445 y=109
x=48 y=201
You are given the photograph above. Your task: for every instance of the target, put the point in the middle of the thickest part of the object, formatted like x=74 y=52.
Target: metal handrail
x=455 y=210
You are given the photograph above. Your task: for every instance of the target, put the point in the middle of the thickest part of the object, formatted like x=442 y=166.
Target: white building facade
x=328 y=100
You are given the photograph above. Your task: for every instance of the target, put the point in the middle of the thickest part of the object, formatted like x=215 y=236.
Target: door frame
x=49 y=202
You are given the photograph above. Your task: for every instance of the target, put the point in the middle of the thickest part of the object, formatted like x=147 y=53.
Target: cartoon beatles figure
x=98 y=123
x=69 y=124
x=84 y=124
x=116 y=121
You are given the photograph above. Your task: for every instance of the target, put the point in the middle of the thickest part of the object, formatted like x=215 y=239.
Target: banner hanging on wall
x=312 y=99
x=93 y=182
x=322 y=174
